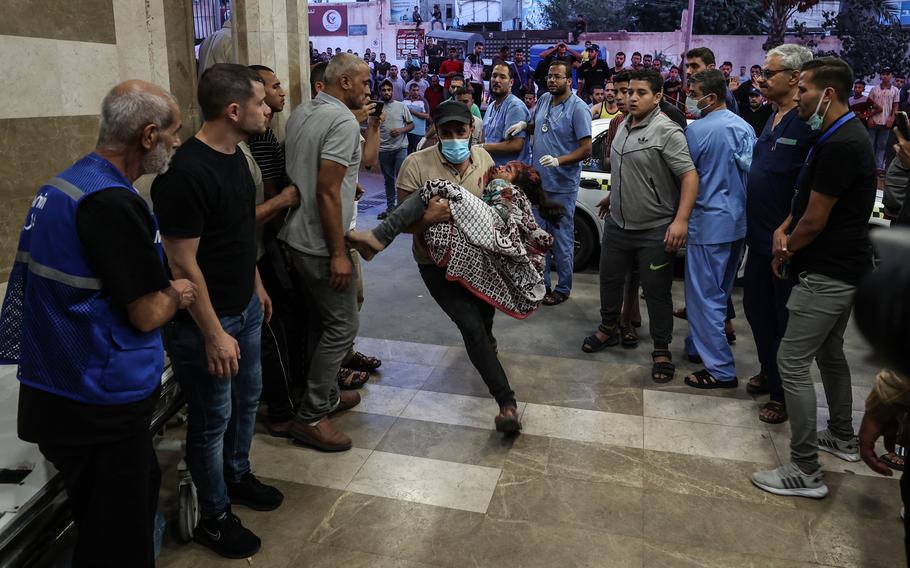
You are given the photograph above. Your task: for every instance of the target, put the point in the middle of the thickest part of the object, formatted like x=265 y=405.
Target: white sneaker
x=788 y=479
x=846 y=450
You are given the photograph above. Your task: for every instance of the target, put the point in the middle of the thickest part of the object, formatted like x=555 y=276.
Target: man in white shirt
x=473 y=72
x=886 y=96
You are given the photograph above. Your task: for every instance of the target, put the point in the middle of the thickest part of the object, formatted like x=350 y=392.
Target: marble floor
x=610 y=470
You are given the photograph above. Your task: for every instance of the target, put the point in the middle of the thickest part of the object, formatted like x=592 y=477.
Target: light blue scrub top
x=721 y=146
x=566 y=124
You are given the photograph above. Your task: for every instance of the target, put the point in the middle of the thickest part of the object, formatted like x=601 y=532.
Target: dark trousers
x=413 y=141
x=112 y=490
x=474 y=319
x=622 y=250
x=478 y=93
x=765 y=301
x=281 y=341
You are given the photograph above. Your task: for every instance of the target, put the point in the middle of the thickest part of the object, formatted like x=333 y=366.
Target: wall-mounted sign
x=357 y=29
x=400 y=11
x=409 y=41
x=328 y=20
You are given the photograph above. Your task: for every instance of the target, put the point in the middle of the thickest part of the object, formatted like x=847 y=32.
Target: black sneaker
x=252 y=493
x=227 y=536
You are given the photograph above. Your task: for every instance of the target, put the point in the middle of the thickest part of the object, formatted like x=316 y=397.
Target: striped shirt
x=269 y=154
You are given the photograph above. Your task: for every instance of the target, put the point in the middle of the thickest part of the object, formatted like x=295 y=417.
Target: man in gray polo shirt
x=323 y=159
x=646 y=217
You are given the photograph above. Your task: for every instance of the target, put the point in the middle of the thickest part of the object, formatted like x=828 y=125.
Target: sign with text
x=904 y=13
x=400 y=11
x=357 y=29
x=409 y=41
x=328 y=20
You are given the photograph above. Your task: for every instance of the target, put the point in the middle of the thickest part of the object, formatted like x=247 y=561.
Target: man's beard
x=157 y=160
x=559 y=91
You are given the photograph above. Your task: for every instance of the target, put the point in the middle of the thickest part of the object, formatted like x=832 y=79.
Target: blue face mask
x=456 y=151
x=816 y=120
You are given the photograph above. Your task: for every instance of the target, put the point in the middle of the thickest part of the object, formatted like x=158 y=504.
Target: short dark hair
x=645 y=56
x=754 y=67
x=672 y=67
x=859 y=82
x=504 y=48
x=261 y=68
x=456 y=78
x=622 y=77
x=386 y=82
x=462 y=91
x=710 y=82
x=702 y=53
x=317 y=75
x=621 y=53
x=636 y=53
x=224 y=84
x=503 y=64
x=453 y=48
x=653 y=78
x=476 y=43
x=562 y=64
x=730 y=63
x=831 y=72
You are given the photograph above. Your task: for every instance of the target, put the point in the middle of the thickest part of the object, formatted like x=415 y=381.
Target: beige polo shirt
x=426 y=165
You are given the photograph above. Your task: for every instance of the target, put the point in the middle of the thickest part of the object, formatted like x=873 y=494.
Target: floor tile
x=456 y=380
x=702 y=409
x=535 y=545
x=379 y=399
x=279 y=458
x=709 y=440
x=453 y=409
x=399 y=374
x=401 y=529
x=365 y=430
x=700 y=476
x=427 y=481
x=662 y=554
x=462 y=444
x=727 y=525
x=312 y=555
x=570 y=503
x=401 y=351
x=848 y=540
x=599 y=463
x=583 y=425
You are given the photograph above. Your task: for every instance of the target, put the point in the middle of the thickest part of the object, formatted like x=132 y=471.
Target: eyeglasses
x=556 y=77
x=770 y=73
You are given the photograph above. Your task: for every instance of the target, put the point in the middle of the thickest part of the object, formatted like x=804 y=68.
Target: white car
x=596 y=183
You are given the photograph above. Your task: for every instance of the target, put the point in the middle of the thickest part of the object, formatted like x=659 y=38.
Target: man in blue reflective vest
x=86 y=296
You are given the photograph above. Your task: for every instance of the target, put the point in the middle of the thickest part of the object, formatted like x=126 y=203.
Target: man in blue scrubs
x=506 y=109
x=779 y=155
x=721 y=147
x=562 y=139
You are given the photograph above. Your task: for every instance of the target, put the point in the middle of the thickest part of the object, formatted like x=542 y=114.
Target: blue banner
x=357 y=29
x=904 y=13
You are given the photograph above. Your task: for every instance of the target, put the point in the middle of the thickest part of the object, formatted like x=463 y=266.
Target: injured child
x=492 y=246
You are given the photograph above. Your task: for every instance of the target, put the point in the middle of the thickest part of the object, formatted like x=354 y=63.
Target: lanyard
x=834 y=128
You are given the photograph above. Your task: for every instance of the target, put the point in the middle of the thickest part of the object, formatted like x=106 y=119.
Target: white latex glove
x=549 y=161
x=516 y=128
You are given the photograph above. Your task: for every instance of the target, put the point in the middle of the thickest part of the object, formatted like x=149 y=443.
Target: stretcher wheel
x=187 y=510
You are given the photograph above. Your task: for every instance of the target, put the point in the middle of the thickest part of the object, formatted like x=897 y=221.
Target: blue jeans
x=563 y=251
x=222 y=412
x=879 y=136
x=390 y=163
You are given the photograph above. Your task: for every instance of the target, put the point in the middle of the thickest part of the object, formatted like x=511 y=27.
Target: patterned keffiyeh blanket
x=493 y=246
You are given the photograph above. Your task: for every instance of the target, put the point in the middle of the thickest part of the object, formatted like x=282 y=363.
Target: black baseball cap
x=886 y=70
x=452 y=111
x=754 y=91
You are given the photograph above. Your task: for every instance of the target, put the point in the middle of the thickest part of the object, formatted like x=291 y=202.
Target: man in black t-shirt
x=104 y=452
x=205 y=205
x=592 y=74
x=825 y=242
x=755 y=111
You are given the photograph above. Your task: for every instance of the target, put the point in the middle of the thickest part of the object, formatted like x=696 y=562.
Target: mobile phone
x=378 y=110
x=903 y=124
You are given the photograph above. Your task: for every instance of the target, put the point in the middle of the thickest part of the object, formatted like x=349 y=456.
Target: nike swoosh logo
x=652 y=267
x=216 y=536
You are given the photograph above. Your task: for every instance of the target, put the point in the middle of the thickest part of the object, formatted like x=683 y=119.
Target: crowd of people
x=248 y=258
